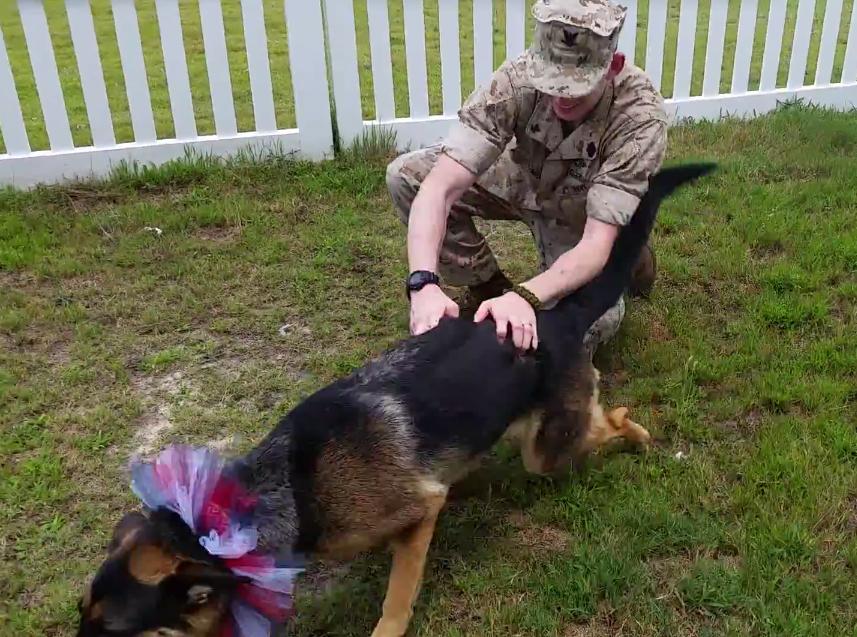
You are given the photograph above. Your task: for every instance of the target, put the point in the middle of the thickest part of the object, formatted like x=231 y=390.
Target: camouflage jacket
x=601 y=169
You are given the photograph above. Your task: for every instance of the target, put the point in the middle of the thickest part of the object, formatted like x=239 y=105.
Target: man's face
x=578 y=108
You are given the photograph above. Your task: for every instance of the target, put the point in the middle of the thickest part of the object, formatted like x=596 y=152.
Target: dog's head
x=156 y=580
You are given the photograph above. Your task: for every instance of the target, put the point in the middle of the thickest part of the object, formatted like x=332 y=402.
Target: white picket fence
x=317 y=68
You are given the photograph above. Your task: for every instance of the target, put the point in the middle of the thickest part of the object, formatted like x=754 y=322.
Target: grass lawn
x=270 y=280
x=279 y=55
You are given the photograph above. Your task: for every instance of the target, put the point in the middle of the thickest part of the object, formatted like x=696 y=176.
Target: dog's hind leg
x=616 y=424
x=409 y=558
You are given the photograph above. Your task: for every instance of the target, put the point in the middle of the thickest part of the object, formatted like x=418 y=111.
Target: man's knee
x=404 y=176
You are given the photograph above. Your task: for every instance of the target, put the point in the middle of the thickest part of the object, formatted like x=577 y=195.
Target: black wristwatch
x=418 y=279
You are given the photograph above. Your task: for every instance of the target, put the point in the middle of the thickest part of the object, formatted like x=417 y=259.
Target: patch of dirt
x=216 y=234
x=538 y=537
x=603 y=624
x=59 y=353
x=767 y=249
x=744 y=425
x=659 y=332
x=613 y=379
x=156 y=394
x=667 y=571
x=226 y=445
x=851 y=515
x=320 y=578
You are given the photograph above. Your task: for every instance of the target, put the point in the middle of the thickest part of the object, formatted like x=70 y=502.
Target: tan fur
x=584 y=395
x=150 y=565
x=410 y=549
x=205 y=622
x=379 y=508
x=523 y=432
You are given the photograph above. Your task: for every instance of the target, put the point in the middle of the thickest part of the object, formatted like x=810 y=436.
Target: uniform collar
x=546 y=128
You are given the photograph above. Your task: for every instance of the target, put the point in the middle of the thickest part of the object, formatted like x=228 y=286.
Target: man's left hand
x=512 y=314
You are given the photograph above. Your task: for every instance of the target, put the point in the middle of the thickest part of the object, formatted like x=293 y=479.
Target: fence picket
x=744 y=46
x=11 y=118
x=382 y=65
x=258 y=65
x=343 y=69
x=305 y=29
x=217 y=63
x=415 y=54
x=714 y=50
x=450 y=55
x=515 y=28
x=655 y=40
x=849 y=66
x=483 y=40
x=800 y=44
x=686 y=42
x=773 y=44
x=175 y=65
x=134 y=70
x=41 y=52
x=628 y=35
x=91 y=75
x=829 y=37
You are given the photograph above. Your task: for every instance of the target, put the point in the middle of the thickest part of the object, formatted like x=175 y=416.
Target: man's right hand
x=428 y=306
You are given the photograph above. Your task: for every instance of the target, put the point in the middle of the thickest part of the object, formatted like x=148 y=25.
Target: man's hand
x=511 y=312
x=428 y=306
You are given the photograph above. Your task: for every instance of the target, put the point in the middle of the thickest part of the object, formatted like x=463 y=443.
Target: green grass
x=272 y=279
x=278 y=52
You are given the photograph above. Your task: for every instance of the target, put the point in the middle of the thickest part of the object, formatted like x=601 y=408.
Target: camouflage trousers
x=465 y=257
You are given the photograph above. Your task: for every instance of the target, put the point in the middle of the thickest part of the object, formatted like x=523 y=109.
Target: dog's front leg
x=409 y=560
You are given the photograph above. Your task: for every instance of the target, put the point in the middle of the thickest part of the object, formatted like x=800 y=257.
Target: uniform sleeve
x=485 y=126
x=631 y=155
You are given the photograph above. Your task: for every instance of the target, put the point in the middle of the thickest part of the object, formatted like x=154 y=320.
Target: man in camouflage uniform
x=564 y=139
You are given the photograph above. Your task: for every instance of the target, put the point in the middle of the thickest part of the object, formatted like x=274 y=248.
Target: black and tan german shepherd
x=368 y=460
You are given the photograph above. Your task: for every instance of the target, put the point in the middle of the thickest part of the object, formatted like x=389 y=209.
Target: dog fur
x=369 y=459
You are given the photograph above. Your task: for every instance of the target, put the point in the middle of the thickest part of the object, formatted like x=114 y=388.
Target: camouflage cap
x=574 y=43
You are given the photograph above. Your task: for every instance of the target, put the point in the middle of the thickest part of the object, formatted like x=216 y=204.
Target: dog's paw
x=387 y=628
x=628 y=429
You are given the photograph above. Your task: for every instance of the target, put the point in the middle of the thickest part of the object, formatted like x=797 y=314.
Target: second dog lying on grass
x=365 y=461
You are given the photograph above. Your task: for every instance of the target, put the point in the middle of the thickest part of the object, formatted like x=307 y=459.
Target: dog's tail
x=591 y=301
x=567 y=388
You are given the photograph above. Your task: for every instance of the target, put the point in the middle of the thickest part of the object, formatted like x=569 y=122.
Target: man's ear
x=126 y=530
x=617 y=64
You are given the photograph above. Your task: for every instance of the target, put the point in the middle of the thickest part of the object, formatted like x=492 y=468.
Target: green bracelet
x=527 y=295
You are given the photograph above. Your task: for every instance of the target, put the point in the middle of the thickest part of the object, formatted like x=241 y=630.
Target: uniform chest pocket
x=571 y=189
x=577 y=177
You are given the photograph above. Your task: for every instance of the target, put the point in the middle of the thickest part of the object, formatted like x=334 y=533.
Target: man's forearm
x=426 y=228
x=571 y=270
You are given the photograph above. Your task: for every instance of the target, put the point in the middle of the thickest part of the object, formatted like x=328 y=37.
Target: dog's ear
x=150 y=564
x=201 y=576
x=126 y=530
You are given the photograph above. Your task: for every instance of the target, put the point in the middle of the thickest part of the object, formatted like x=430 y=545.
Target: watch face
x=419 y=279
